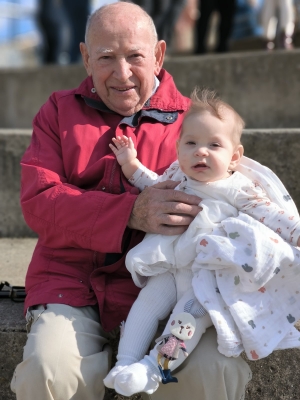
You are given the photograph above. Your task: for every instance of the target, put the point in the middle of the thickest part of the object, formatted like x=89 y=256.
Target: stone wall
x=263 y=87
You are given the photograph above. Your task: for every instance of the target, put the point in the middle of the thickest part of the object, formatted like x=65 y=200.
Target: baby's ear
x=236 y=157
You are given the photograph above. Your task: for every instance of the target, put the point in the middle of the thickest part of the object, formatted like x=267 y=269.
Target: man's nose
x=122 y=70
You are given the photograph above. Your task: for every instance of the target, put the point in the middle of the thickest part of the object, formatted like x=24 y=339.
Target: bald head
x=112 y=13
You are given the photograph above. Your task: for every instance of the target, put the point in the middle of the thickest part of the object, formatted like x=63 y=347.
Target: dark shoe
x=166 y=376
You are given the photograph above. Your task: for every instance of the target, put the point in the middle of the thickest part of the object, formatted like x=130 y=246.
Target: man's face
x=122 y=58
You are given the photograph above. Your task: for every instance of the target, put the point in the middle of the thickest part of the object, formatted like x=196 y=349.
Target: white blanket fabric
x=245 y=275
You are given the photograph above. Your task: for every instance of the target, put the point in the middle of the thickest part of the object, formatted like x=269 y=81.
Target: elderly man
x=88 y=216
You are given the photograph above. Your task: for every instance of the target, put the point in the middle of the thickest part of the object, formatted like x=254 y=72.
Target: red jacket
x=75 y=197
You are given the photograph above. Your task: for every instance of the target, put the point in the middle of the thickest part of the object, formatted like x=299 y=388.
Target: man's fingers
x=183 y=208
x=166 y=185
x=168 y=230
x=176 y=195
x=175 y=220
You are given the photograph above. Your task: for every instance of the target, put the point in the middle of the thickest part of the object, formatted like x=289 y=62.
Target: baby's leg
x=144 y=376
x=154 y=303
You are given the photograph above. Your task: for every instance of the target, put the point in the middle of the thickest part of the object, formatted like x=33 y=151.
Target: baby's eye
x=190 y=143
x=215 y=144
x=180 y=322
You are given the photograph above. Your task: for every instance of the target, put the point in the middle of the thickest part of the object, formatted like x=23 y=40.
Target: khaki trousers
x=67 y=356
x=206 y=375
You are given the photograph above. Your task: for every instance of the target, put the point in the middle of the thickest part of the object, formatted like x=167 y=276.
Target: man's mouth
x=123 y=89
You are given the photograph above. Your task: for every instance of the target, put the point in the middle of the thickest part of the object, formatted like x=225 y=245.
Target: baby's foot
x=142 y=376
x=109 y=380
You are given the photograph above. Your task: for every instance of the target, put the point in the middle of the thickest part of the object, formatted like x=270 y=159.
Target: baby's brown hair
x=208 y=100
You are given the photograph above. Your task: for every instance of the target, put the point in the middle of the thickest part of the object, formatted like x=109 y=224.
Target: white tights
x=154 y=303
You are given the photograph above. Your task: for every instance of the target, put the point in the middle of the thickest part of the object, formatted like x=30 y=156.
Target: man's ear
x=160 y=51
x=236 y=157
x=85 y=57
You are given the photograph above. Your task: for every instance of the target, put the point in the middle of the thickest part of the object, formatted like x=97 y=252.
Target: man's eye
x=136 y=57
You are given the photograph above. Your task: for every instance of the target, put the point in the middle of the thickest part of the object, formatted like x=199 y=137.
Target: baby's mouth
x=200 y=165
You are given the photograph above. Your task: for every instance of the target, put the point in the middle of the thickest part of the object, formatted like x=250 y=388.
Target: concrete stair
x=263 y=87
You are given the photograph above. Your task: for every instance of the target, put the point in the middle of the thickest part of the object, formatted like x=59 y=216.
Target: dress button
x=103 y=188
x=93 y=90
x=60 y=295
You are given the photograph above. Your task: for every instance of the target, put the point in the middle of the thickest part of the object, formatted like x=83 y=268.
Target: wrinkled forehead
x=120 y=26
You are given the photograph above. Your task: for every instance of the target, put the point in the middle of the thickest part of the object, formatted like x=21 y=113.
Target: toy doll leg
x=144 y=376
x=206 y=375
x=154 y=303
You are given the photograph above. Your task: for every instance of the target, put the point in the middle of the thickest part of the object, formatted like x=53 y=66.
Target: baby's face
x=206 y=150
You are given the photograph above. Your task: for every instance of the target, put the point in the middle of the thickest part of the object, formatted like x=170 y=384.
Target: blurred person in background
x=226 y=10
x=278 y=20
x=62 y=26
x=165 y=14
x=184 y=29
x=246 y=20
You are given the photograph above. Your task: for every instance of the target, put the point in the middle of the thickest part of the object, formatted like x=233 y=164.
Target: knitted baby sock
x=142 y=376
x=109 y=380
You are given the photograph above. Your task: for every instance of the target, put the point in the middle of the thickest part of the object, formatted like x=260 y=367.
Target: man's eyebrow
x=104 y=50
x=108 y=50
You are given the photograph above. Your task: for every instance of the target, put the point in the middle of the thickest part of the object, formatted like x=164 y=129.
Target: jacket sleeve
x=62 y=214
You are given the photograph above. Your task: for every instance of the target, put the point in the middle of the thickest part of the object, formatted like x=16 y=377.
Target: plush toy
x=182 y=328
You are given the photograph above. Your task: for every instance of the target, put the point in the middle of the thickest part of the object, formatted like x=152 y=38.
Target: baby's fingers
x=118 y=142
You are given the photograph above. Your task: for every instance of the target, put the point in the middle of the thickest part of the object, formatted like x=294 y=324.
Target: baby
x=181 y=269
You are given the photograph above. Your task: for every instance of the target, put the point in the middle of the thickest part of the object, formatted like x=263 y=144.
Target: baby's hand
x=124 y=150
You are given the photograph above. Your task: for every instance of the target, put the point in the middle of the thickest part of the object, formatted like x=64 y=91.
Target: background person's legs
x=64 y=356
x=206 y=375
x=227 y=12
x=206 y=8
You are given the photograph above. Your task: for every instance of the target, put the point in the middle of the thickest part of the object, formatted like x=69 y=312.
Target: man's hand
x=160 y=209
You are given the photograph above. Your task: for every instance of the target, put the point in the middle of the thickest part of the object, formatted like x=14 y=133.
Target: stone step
x=278 y=149
x=275 y=377
x=263 y=86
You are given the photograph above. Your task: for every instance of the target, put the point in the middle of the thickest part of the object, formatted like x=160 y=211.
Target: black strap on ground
x=15 y=293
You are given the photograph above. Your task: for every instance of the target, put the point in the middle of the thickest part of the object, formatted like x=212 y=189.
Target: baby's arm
x=137 y=174
x=125 y=153
x=255 y=202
